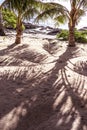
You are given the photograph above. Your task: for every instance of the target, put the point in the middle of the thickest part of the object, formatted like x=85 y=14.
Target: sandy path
x=43 y=86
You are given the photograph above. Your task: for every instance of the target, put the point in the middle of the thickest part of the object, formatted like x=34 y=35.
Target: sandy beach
x=43 y=84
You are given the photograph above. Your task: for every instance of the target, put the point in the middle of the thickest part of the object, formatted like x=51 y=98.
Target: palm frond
x=52 y=10
x=61 y=19
x=30 y=13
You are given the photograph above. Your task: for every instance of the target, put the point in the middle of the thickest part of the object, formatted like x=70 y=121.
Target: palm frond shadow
x=43 y=100
x=81 y=67
x=71 y=110
x=17 y=54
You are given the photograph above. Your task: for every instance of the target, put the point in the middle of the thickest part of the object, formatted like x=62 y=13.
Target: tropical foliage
x=63 y=35
x=9 y=18
x=24 y=9
x=60 y=14
x=80 y=36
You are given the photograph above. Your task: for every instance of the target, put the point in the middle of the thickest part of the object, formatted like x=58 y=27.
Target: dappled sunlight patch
x=67 y=106
x=84 y=127
x=76 y=123
x=68 y=118
x=68 y=115
x=65 y=110
x=59 y=122
x=19 y=90
x=48 y=67
x=16 y=73
x=76 y=79
x=58 y=100
x=9 y=60
x=11 y=120
x=70 y=97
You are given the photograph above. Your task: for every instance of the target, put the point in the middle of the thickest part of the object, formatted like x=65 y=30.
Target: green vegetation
x=80 y=36
x=63 y=35
x=9 y=18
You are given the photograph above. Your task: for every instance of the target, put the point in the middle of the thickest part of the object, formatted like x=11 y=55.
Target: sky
x=1 y=1
x=49 y=22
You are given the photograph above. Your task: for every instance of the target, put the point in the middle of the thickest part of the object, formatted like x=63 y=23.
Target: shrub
x=80 y=36
x=63 y=35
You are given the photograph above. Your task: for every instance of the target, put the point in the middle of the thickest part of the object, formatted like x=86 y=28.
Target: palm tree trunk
x=71 y=35
x=2 y=33
x=72 y=23
x=19 y=31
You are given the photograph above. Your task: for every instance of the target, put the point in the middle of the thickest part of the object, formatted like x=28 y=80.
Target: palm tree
x=78 y=9
x=60 y=13
x=24 y=9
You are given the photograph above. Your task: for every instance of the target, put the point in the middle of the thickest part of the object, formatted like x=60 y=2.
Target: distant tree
x=61 y=13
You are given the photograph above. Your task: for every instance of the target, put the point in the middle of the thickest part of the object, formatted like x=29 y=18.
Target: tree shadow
x=34 y=99
x=81 y=67
x=17 y=54
x=72 y=111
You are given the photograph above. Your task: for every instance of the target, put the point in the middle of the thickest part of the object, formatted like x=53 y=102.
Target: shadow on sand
x=31 y=99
